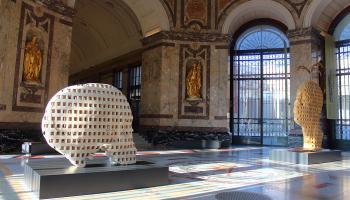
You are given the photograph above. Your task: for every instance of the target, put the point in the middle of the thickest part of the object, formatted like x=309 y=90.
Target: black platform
x=54 y=178
x=37 y=148
x=305 y=158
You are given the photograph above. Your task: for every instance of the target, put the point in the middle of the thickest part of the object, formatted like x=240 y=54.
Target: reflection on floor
x=201 y=174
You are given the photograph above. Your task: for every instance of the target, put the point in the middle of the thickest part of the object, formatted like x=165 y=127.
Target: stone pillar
x=166 y=62
x=305 y=50
x=41 y=29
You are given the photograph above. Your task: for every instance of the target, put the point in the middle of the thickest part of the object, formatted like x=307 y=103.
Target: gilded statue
x=307 y=113
x=194 y=82
x=33 y=61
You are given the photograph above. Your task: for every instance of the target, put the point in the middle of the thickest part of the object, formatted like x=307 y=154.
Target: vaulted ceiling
x=106 y=29
x=102 y=30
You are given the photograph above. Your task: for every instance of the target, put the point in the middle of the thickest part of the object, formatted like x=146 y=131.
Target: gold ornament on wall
x=32 y=63
x=307 y=113
x=194 y=82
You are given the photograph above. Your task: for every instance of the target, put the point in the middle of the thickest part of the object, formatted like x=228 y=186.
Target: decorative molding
x=43 y=27
x=196 y=14
x=304 y=36
x=156 y=116
x=187 y=36
x=307 y=41
x=171 y=6
x=59 y=7
x=160 y=44
x=302 y=32
x=201 y=54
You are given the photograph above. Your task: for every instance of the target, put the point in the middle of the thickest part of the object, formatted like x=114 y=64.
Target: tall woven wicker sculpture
x=79 y=120
x=307 y=112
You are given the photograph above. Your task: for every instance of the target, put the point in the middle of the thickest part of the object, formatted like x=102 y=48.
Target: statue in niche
x=194 y=82
x=307 y=113
x=33 y=60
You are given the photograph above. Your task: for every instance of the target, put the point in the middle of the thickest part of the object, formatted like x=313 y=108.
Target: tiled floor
x=202 y=174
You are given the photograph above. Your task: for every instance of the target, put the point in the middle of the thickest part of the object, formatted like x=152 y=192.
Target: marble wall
x=165 y=64
x=23 y=102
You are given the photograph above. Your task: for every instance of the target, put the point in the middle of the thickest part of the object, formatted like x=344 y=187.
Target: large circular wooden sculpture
x=307 y=111
x=79 y=120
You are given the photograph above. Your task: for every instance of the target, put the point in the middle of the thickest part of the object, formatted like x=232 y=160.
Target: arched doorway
x=260 y=71
x=342 y=37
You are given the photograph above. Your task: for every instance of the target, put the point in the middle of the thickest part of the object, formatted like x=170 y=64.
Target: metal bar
x=340 y=96
x=261 y=100
x=286 y=89
x=231 y=92
x=238 y=93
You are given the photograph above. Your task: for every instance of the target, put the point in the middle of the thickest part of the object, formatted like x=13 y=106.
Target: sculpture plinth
x=55 y=178
x=305 y=157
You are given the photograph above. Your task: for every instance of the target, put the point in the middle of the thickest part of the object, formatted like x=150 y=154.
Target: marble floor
x=207 y=174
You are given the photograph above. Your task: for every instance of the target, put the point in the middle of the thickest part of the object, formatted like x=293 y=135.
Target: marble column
x=305 y=50
x=166 y=62
x=48 y=25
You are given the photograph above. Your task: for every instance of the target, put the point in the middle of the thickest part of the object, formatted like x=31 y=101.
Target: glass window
x=261 y=81
x=262 y=37
x=343 y=84
x=135 y=83
x=118 y=80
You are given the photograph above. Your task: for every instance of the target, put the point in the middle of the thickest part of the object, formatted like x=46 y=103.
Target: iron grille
x=343 y=81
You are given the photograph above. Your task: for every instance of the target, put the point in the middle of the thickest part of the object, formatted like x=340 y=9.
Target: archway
x=256 y=9
x=260 y=85
x=342 y=37
x=107 y=45
x=321 y=13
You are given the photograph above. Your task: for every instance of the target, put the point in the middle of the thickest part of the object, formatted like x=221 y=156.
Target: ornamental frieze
x=188 y=36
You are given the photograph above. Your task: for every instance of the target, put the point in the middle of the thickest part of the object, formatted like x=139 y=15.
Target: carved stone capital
x=304 y=35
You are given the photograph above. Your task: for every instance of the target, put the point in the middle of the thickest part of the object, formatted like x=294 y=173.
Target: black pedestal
x=53 y=178
x=305 y=158
x=37 y=148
